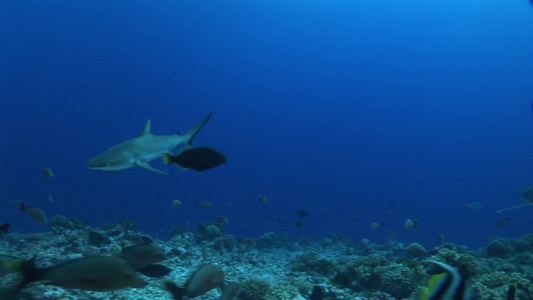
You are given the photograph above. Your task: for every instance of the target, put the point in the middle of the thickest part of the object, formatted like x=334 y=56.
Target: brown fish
x=201 y=281
x=35 y=213
x=93 y=273
x=143 y=254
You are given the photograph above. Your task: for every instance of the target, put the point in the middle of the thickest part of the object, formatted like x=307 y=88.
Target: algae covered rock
x=498 y=247
x=282 y=291
x=97 y=239
x=272 y=240
x=61 y=223
x=255 y=289
x=396 y=280
x=312 y=264
x=494 y=285
x=208 y=231
x=416 y=250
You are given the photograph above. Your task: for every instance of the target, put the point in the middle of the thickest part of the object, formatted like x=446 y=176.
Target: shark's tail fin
x=191 y=133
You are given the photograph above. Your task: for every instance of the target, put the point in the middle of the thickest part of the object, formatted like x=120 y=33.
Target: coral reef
x=312 y=264
x=275 y=268
x=255 y=289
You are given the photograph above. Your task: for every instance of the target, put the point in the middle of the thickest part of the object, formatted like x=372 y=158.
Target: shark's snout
x=95 y=163
x=91 y=165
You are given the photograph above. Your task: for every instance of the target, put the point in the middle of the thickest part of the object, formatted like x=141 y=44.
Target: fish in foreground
x=142 y=149
x=93 y=273
x=511 y=291
x=35 y=213
x=201 y=281
x=144 y=258
x=4 y=228
x=447 y=285
x=527 y=197
x=47 y=173
x=9 y=264
x=199 y=159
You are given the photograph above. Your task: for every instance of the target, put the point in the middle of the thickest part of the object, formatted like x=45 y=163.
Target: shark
x=138 y=151
x=527 y=197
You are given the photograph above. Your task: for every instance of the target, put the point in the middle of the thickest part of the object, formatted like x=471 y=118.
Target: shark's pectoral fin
x=145 y=165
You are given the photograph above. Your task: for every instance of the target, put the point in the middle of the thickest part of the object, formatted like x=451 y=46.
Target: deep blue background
x=346 y=104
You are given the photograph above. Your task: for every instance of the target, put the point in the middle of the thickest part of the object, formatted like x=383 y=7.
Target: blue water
x=345 y=104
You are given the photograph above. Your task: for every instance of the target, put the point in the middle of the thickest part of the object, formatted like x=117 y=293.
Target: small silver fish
x=474 y=205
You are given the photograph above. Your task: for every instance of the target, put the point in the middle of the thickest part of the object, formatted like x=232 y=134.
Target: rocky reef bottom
x=273 y=268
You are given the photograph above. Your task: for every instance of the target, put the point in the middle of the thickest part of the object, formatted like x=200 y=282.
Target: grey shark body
x=142 y=149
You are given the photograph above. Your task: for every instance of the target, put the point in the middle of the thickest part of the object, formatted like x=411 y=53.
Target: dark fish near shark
x=198 y=159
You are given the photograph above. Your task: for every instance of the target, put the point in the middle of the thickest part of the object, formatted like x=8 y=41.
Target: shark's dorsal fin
x=147 y=129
